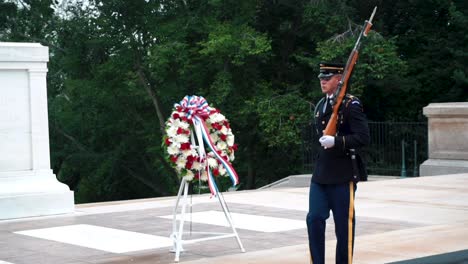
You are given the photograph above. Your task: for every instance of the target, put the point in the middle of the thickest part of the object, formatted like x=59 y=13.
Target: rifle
x=340 y=92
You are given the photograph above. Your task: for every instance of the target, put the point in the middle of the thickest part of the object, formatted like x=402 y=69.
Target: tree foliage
x=117 y=67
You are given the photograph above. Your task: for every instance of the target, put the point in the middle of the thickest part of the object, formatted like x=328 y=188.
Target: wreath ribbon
x=198 y=110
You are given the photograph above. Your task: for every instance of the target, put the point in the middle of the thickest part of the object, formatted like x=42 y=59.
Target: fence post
x=403 y=166
x=415 y=160
x=382 y=154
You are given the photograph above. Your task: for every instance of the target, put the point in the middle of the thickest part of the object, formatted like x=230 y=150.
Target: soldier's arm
x=359 y=129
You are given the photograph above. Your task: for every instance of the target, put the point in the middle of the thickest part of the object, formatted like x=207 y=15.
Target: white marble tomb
x=28 y=187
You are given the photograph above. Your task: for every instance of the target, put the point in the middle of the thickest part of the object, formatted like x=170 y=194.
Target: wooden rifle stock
x=340 y=93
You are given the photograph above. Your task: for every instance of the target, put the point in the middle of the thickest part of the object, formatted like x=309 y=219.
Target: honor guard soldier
x=335 y=177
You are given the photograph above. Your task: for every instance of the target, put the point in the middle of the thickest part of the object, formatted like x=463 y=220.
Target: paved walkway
x=397 y=219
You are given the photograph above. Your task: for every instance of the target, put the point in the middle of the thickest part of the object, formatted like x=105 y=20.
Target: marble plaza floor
x=397 y=219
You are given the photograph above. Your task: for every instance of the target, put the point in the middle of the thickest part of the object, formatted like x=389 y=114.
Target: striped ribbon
x=198 y=110
x=194 y=106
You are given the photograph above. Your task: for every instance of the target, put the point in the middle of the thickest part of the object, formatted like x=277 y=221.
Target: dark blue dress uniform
x=333 y=183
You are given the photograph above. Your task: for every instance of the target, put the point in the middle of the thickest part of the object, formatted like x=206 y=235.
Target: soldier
x=334 y=181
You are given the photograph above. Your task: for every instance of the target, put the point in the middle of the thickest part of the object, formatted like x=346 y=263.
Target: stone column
x=28 y=187
x=448 y=139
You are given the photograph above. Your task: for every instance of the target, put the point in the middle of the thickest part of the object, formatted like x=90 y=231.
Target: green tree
x=117 y=67
x=431 y=37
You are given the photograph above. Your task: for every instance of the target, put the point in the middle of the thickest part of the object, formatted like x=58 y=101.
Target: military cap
x=328 y=69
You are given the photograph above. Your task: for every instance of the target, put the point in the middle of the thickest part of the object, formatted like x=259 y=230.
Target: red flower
x=191 y=159
x=182 y=131
x=216 y=126
x=215 y=172
x=188 y=165
x=185 y=119
x=235 y=147
x=185 y=146
x=175 y=115
x=173 y=158
x=223 y=137
x=168 y=142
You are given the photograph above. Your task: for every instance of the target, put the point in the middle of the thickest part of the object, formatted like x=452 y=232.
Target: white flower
x=171 y=131
x=180 y=163
x=221 y=145
x=212 y=162
x=187 y=153
x=217 y=117
x=230 y=140
x=224 y=130
x=173 y=149
x=175 y=123
x=222 y=170
x=178 y=123
x=231 y=156
x=197 y=166
x=214 y=137
x=204 y=175
x=181 y=138
x=189 y=176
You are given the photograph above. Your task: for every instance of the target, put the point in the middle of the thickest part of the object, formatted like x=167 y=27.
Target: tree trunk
x=145 y=182
x=157 y=106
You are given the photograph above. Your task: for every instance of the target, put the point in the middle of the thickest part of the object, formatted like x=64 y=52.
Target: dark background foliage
x=117 y=67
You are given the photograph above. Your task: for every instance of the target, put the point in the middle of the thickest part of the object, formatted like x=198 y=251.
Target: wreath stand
x=178 y=230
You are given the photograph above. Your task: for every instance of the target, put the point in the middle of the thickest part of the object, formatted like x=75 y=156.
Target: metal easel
x=178 y=228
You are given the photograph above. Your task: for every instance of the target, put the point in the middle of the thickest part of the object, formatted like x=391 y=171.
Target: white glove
x=327 y=141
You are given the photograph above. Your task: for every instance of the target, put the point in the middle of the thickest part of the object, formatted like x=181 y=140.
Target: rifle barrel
x=343 y=84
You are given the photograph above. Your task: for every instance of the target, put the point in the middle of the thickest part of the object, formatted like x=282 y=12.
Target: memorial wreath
x=194 y=118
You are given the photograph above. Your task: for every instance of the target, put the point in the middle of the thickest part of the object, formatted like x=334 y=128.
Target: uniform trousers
x=339 y=198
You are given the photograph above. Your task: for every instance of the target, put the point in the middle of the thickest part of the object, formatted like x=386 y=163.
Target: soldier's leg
x=319 y=211
x=342 y=204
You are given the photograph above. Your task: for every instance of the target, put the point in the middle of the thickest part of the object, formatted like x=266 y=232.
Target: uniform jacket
x=333 y=165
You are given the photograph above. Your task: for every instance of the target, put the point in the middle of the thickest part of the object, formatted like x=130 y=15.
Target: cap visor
x=325 y=75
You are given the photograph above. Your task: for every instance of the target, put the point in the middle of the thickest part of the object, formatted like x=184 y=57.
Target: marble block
x=28 y=186
x=447 y=139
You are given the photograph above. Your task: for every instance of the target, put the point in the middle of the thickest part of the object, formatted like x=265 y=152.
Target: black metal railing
x=396 y=148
